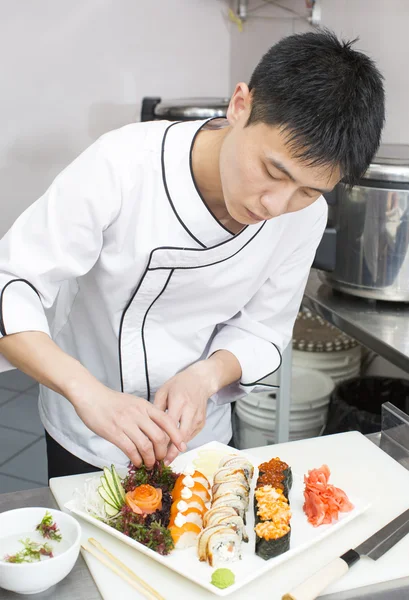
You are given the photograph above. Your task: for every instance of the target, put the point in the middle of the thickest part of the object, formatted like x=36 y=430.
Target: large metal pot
x=183 y=109
x=371 y=225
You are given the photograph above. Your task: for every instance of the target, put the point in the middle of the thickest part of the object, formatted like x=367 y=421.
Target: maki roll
x=272 y=539
x=239 y=462
x=223 y=546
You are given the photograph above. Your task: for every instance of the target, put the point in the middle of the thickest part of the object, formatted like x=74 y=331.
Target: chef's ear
x=240 y=104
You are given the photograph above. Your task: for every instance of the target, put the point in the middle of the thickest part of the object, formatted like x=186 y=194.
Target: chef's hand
x=186 y=394
x=185 y=397
x=133 y=424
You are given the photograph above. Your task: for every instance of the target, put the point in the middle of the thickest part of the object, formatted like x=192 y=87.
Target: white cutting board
x=357 y=466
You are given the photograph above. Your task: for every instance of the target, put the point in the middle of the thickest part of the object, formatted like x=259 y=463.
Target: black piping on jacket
x=2 y=325
x=172 y=269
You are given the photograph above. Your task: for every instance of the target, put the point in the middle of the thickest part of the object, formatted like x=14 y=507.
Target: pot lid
x=313 y=334
x=192 y=108
x=391 y=163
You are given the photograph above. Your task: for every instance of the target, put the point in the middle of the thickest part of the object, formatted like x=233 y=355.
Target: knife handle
x=314 y=585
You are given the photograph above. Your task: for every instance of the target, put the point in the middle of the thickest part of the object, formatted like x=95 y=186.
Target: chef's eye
x=309 y=194
x=270 y=175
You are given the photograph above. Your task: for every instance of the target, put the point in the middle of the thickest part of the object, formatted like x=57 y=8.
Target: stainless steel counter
x=79 y=584
x=380 y=326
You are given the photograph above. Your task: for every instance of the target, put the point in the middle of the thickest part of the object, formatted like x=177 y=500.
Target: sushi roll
x=236 y=523
x=232 y=487
x=223 y=546
x=230 y=474
x=240 y=462
x=203 y=538
x=272 y=539
x=212 y=515
x=184 y=536
x=232 y=500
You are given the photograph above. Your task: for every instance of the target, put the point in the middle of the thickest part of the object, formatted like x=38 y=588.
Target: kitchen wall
x=381 y=26
x=73 y=70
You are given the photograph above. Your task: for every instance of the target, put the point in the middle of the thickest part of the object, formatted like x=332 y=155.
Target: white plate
x=186 y=563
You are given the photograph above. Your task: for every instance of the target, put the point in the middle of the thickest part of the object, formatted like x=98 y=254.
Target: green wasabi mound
x=222 y=578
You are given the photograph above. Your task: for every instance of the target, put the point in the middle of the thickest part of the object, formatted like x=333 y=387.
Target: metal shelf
x=383 y=327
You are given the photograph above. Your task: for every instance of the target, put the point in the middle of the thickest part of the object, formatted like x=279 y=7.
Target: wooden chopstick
x=122 y=570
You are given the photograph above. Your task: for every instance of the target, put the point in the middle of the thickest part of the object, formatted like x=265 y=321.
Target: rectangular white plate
x=186 y=563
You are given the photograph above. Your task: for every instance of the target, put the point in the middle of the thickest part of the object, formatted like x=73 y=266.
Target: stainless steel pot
x=183 y=109
x=370 y=230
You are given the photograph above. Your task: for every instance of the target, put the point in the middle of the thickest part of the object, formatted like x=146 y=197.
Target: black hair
x=326 y=97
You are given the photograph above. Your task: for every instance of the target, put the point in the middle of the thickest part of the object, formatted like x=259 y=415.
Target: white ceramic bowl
x=32 y=578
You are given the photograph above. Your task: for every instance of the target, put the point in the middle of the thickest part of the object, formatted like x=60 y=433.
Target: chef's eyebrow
x=282 y=168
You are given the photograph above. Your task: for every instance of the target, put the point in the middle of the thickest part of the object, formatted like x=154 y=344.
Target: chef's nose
x=276 y=204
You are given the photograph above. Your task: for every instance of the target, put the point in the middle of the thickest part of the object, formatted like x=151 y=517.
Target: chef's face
x=260 y=177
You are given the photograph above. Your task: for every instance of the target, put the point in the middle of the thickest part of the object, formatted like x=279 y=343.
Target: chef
x=158 y=278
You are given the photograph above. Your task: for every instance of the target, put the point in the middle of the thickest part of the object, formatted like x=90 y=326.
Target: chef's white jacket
x=124 y=266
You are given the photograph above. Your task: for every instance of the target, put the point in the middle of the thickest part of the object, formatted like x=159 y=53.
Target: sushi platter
x=357 y=466
x=256 y=556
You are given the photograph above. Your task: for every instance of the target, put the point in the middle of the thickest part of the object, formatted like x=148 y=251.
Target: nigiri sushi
x=185 y=536
x=187 y=482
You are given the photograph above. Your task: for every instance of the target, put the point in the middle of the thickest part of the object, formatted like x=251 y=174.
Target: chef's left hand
x=185 y=397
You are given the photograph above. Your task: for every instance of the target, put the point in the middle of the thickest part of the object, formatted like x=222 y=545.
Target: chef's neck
x=206 y=171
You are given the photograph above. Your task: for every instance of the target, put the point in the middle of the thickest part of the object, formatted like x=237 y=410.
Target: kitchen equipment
x=255 y=415
x=319 y=345
x=368 y=234
x=374 y=547
x=251 y=566
x=183 y=109
x=355 y=460
x=36 y=577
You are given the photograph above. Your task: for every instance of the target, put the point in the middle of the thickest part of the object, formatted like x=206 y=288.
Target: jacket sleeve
x=57 y=238
x=262 y=329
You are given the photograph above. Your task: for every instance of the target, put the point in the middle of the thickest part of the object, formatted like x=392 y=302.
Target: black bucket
x=356 y=404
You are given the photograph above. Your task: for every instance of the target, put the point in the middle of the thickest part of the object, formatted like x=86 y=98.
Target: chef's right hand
x=133 y=424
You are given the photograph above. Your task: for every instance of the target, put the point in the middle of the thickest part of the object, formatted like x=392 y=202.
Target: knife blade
x=374 y=547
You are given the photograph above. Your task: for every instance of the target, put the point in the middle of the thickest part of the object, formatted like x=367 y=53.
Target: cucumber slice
x=113 y=499
x=110 y=510
x=118 y=483
x=112 y=487
x=107 y=498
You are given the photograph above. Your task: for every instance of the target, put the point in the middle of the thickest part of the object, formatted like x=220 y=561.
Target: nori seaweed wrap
x=267 y=547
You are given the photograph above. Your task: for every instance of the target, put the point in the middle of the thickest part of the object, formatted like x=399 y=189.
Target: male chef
x=159 y=277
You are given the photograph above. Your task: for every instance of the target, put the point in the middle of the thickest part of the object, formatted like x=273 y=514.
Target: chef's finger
x=175 y=410
x=161 y=398
x=171 y=454
x=166 y=423
x=143 y=445
x=129 y=448
x=188 y=423
x=158 y=438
